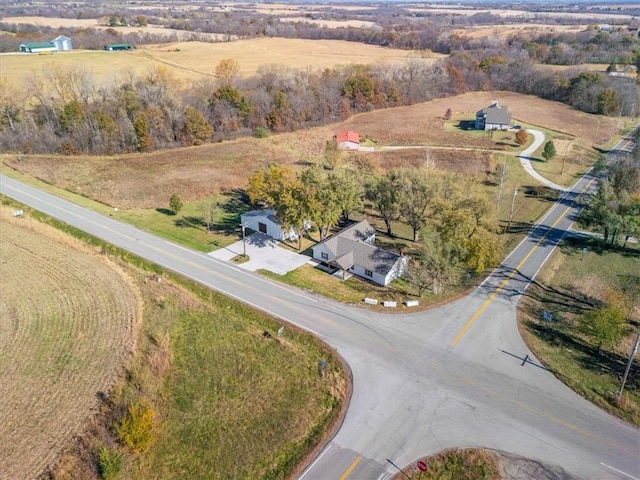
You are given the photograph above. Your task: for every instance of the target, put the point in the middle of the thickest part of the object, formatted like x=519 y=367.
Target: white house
x=493 y=117
x=62 y=43
x=265 y=221
x=352 y=251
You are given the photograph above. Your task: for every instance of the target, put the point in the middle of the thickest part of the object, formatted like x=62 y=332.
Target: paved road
x=454 y=376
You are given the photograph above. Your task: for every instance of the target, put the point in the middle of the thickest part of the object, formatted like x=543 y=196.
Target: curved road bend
x=422 y=382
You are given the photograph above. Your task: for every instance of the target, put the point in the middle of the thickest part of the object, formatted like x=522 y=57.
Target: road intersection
x=449 y=377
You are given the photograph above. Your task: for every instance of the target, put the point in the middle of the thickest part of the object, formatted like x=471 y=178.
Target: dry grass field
x=147 y=180
x=68 y=320
x=506 y=31
x=514 y=13
x=190 y=61
x=93 y=23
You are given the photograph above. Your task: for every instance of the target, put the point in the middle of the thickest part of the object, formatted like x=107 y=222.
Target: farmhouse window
x=368 y=273
x=324 y=255
x=262 y=227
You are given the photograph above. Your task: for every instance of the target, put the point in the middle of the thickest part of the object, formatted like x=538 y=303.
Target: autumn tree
x=462 y=215
x=348 y=191
x=434 y=266
x=321 y=202
x=415 y=195
x=280 y=189
x=226 y=70
x=521 y=137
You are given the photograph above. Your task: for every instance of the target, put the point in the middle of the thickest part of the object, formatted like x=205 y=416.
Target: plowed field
x=67 y=325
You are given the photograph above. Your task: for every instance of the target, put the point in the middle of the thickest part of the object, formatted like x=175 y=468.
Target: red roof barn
x=348 y=140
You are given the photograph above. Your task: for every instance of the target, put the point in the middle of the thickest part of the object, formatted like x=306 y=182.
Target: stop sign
x=421 y=466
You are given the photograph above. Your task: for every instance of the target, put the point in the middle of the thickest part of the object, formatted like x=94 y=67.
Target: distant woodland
x=72 y=115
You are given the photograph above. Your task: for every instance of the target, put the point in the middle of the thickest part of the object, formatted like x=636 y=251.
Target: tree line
x=70 y=114
x=614 y=210
x=449 y=215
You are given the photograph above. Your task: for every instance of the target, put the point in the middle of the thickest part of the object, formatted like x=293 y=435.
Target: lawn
x=569 y=285
x=187 y=227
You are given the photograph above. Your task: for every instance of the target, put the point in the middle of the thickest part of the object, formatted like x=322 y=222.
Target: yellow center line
x=348 y=471
x=486 y=303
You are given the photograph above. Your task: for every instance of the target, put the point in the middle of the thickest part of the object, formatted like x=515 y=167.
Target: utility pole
x=618 y=120
x=244 y=241
x=626 y=372
x=564 y=159
x=513 y=203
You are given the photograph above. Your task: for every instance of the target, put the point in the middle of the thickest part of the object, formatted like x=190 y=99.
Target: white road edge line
x=619 y=471
x=308 y=469
x=147 y=239
x=385 y=475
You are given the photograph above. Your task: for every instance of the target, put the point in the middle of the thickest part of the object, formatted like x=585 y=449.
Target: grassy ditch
x=235 y=399
x=570 y=284
x=219 y=393
x=455 y=464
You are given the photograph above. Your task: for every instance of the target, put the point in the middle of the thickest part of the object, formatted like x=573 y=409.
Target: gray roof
x=268 y=214
x=350 y=247
x=38 y=44
x=495 y=114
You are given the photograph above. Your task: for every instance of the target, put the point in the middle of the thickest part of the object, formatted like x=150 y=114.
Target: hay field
x=147 y=181
x=67 y=325
x=190 y=61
